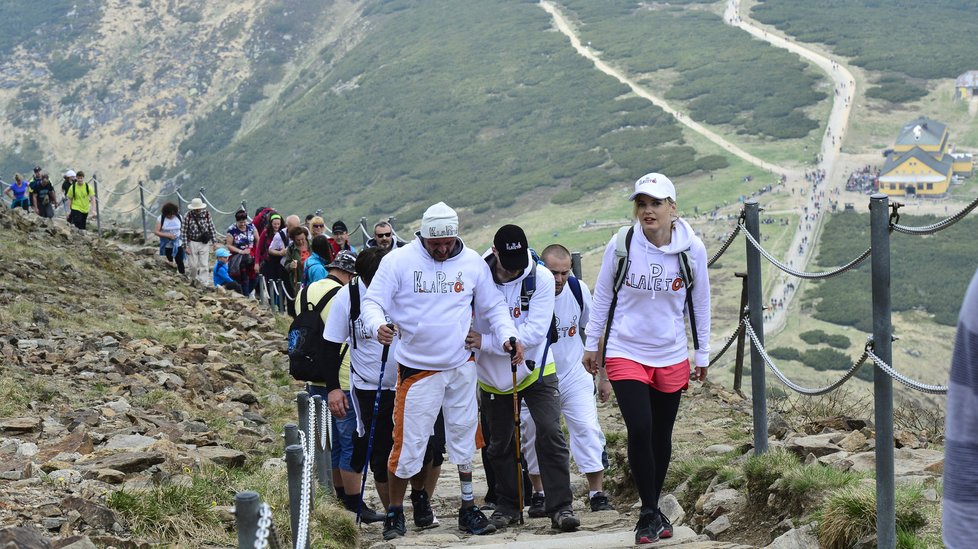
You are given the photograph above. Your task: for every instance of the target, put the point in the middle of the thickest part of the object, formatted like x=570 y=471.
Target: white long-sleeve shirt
x=568 y=352
x=365 y=356
x=649 y=325
x=431 y=303
x=533 y=326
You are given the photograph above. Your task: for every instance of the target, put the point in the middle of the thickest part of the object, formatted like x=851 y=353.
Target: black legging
x=178 y=256
x=649 y=416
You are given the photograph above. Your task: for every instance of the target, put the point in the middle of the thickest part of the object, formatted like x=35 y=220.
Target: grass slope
x=475 y=103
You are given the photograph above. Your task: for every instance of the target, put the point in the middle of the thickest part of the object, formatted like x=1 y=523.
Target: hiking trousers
x=198 y=255
x=543 y=402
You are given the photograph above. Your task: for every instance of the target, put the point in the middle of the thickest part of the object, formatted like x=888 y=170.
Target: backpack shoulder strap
x=528 y=287
x=575 y=287
x=622 y=243
x=304 y=299
x=686 y=272
x=354 y=286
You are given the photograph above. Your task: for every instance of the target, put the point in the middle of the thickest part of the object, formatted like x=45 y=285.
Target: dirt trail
x=830 y=151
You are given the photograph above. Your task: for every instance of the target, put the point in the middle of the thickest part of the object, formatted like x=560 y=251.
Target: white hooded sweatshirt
x=649 y=325
x=533 y=326
x=431 y=303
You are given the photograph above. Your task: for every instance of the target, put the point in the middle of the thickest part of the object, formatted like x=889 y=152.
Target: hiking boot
x=648 y=528
x=473 y=521
x=565 y=521
x=600 y=503
x=501 y=520
x=666 y=526
x=394 y=525
x=423 y=515
x=369 y=516
x=538 y=503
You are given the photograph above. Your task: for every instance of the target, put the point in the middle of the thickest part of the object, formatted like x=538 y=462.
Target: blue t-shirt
x=19 y=191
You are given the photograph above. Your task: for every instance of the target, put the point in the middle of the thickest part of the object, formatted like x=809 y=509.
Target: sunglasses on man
x=382 y=235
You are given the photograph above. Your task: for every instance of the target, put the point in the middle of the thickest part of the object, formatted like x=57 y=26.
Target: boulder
x=129 y=442
x=94 y=514
x=74 y=542
x=723 y=501
x=23 y=538
x=127 y=462
x=671 y=508
x=799 y=538
x=717 y=527
x=819 y=445
x=20 y=425
x=224 y=457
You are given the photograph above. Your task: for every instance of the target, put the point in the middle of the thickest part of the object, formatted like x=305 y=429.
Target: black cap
x=37 y=168
x=512 y=248
x=339 y=227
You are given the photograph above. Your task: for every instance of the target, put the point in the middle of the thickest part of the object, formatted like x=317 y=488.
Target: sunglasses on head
x=382 y=235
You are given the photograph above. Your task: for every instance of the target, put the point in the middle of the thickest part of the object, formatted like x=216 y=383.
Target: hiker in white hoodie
x=646 y=353
x=528 y=290
x=428 y=289
x=572 y=308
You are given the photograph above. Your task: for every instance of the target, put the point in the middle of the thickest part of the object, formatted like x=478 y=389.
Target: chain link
x=915 y=385
x=936 y=227
x=803 y=274
x=286 y=292
x=309 y=451
x=123 y=193
x=324 y=420
x=793 y=386
x=202 y=195
x=726 y=345
x=264 y=526
x=729 y=241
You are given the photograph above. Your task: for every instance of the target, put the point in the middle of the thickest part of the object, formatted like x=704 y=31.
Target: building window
x=930 y=186
x=920 y=186
x=892 y=186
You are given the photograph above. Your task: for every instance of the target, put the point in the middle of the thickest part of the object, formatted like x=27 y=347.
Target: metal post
x=323 y=464
x=882 y=383
x=293 y=465
x=741 y=336
x=302 y=400
x=260 y=290
x=246 y=506
x=142 y=210
x=200 y=193
x=576 y=264
x=283 y=302
x=291 y=434
x=755 y=300
x=98 y=209
x=364 y=232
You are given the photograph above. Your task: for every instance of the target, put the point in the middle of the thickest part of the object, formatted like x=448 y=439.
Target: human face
x=340 y=237
x=561 y=269
x=383 y=236
x=318 y=229
x=242 y=224
x=654 y=214
x=300 y=241
x=276 y=224
x=440 y=248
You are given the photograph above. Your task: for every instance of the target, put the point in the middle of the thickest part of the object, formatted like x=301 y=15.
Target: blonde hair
x=667 y=199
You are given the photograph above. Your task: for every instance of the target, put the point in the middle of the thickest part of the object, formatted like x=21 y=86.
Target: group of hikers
x=428 y=347
x=40 y=196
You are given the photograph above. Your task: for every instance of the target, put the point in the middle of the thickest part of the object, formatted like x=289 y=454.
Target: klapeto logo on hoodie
x=442 y=232
x=654 y=281
x=442 y=284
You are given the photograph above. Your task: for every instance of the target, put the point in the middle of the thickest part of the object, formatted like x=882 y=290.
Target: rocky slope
x=133 y=406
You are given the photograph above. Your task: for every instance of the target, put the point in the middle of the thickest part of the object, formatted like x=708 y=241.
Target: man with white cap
x=201 y=236
x=428 y=290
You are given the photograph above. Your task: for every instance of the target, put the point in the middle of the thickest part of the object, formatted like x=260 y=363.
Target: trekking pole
x=373 y=425
x=516 y=425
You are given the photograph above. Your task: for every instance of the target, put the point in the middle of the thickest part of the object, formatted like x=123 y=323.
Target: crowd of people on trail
x=39 y=195
x=864 y=180
x=428 y=347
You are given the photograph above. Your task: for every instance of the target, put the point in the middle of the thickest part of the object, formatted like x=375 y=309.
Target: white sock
x=592 y=493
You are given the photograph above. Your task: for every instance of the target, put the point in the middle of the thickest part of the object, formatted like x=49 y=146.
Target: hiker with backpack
x=528 y=291
x=345 y=333
x=326 y=369
x=43 y=197
x=653 y=274
x=241 y=237
x=572 y=308
x=169 y=228
x=315 y=266
x=200 y=236
x=428 y=289
x=81 y=199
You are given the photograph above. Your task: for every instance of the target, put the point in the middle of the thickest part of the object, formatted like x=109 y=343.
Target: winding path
x=836 y=126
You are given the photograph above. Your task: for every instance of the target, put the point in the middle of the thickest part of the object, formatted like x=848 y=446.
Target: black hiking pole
x=516 y=425
x=373 y=425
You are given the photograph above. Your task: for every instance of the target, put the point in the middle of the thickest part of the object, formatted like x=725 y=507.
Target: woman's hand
x=604 y=389
x=592 y=362
x=700 y=373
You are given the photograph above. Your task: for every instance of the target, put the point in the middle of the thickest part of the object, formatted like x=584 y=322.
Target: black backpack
x=306 y=344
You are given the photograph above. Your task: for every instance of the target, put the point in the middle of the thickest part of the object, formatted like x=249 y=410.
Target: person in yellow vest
x=81 y=198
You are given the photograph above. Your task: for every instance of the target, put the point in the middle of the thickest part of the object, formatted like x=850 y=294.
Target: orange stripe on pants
x=403 y=385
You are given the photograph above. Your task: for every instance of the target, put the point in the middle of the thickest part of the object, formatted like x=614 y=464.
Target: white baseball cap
x=655 y=185
x=70 y=173
x=439 y=221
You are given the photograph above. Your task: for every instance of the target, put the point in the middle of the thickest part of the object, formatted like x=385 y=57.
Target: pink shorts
x=667 y=379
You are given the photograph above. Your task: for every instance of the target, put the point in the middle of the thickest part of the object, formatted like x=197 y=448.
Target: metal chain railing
x=122 y=193
x=309 y=452
x=803 y=274
x=931 y=229
x=266 y=536
x=730 y=340
x=793 y=386
x=130 y=210
x=729 y=241
x=181 y=198
x=325 y=419
x=915 y=385
x=208 y=202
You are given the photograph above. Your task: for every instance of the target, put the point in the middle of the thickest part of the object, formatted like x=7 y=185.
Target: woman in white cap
x=200 y=236
x=640 y=310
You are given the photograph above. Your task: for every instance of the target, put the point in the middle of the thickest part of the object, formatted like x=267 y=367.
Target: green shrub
x=566 y=196
x=897 y=92
x=849 y=515
x=814 y=337
x=785 y=353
